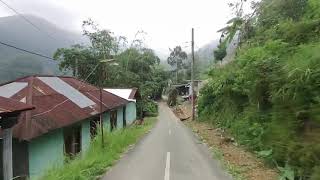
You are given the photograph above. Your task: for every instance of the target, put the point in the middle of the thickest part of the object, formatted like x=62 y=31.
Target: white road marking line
x=169 y=131
x=167 y=169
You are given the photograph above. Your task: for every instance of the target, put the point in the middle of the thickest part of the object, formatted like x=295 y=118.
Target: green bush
x=151 y=108
x=172 y=97
x=269 y=97
x=316 y=173
x=148 y=107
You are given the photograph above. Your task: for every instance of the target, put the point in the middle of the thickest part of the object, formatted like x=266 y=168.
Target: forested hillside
x=17 y=32
x=269 y=96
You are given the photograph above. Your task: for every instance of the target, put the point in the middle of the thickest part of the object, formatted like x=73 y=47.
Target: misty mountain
x=204 y=57
x=205 y=53
x=15 y=31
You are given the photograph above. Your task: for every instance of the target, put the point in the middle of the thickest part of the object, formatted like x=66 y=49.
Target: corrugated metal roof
x=12 y=106
x=128 y=94
x=68 y=91
x=59 y=102
x=9 y=90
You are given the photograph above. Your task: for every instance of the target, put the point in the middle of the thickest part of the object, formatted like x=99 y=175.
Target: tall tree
x=177 y=59
x=137 y=66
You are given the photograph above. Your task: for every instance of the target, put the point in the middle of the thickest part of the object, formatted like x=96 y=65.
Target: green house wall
x=44 y=152
x=131 y=112
x=120 y=118
x=47 y=150
x=106 y=121
x=85 y=136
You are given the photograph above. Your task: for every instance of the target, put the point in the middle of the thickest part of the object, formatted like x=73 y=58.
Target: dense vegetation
x=269 y=96
x=96 y=160
x=180 y=62
x=110 y=62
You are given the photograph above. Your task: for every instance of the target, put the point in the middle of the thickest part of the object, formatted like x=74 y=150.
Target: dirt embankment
x=251 y=167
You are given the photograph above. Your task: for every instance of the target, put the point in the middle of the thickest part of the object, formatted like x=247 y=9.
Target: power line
x=27 y=51
x=18 y=72
x=26 y=19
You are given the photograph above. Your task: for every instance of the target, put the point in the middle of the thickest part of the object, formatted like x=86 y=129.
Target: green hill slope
x=269 y=96
x=15 y=31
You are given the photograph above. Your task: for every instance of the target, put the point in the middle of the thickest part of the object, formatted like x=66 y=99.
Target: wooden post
x=192 y=75
x=7 y=154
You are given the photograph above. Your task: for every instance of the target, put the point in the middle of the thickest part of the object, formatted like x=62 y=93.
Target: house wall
x=44 y=152
x=85 y=136
x=120 y=118
x=131 y=112
x=106 y=121
x=48 y=150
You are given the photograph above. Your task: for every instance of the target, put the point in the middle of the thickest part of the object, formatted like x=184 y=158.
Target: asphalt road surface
x=169 y=152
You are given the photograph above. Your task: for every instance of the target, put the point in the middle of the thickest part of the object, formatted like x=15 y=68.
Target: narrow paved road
x=169 y=152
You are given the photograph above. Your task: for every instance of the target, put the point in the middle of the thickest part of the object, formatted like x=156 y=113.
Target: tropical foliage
x=268 y=98
x=178 y=60
x=110 y=62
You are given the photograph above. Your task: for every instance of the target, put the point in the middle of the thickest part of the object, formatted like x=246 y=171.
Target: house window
x=113 y=119
x=94 y=125
x=124 y=117
x=72 y=140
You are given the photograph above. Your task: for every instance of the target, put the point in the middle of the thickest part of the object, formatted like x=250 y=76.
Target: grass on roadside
x=235 y=171
x=97 y=160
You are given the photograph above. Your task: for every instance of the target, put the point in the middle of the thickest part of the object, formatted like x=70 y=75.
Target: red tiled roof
x=59 y=101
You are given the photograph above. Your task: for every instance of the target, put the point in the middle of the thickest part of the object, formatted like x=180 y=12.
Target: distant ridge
x=15 y=31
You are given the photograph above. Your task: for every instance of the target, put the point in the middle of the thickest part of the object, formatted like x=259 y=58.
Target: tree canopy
x=130 y=65
x=177 y=59
x=268 y=97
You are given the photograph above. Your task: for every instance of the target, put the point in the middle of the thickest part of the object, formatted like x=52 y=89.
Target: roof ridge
x=35 y=75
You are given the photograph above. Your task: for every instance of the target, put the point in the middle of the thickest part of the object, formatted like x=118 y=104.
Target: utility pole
x=192 y=75
x=101 y=111
x=100 y=96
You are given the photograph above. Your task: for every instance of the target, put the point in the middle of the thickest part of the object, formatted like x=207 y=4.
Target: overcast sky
x=167 y=22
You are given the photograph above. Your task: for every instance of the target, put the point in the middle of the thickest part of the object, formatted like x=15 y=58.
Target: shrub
x=269 y=97
x=172 y=97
